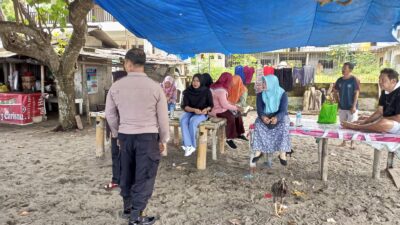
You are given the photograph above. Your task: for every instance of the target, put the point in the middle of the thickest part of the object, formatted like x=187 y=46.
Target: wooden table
x=78 y=101
x=324 y=132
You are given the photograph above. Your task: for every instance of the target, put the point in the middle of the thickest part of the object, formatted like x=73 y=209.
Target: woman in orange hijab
x=237 y=93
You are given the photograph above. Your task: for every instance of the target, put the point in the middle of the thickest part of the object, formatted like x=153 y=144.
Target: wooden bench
x=215 y=127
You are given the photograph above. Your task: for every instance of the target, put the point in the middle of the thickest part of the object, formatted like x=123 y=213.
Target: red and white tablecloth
x=334 y=131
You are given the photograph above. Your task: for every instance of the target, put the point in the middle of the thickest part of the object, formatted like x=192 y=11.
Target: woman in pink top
x=224 y=109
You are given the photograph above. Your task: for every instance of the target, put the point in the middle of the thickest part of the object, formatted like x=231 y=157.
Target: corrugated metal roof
x=117 y=54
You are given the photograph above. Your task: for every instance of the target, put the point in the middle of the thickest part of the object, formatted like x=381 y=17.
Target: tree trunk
x=66 y=100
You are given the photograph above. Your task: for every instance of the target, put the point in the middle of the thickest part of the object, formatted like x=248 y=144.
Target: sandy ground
x=54 y=178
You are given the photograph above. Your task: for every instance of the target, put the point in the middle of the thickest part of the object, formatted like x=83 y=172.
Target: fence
x=96 y=15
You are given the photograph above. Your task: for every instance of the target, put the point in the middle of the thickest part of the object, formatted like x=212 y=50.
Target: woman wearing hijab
x=115 y=153
x=237 y=93
x=271 y=132
x=170 y=91
x=224 y=109
x=207 y=80
x=197 y=103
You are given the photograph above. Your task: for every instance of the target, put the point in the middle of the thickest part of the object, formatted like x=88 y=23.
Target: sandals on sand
x=110 y=186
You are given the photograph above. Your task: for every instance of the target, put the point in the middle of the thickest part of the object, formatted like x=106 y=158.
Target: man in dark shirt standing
x=348 y=90
x=386 y=118
x=142 y=132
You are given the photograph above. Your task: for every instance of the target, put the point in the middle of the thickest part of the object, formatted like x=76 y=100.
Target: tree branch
x=16 y=11
x=46 y=37
x=33 y=46
x=12 y=27
x=78 y=11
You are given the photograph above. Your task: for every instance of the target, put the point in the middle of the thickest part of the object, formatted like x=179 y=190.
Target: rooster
x=279 y=190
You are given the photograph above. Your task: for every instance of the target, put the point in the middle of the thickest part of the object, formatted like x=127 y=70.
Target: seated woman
x=271 y=132
x=386 y=118
x=170 y=91
x=197 y=102
x=237 y=93
x=224 y=109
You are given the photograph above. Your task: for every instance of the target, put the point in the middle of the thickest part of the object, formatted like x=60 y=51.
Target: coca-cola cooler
x=20 y=108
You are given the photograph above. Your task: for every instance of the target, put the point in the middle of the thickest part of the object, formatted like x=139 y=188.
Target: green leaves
x=8 y=10
x=51 y=11
x=61 y=40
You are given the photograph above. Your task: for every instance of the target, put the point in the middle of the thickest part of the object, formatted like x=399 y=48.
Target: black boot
x=143 y=220
x=127 y=208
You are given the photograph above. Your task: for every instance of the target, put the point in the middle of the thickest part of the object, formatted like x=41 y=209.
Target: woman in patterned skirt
x=271 y=132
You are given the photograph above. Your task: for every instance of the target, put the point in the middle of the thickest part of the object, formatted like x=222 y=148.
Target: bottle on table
x=298 y=119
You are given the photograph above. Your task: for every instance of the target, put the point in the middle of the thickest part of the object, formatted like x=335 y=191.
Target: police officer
x=143 y=132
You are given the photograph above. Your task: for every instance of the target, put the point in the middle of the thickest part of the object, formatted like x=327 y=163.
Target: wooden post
x=79 y=122
x=390 y=160
x=176 y=135
x=202 y=149
x=324 y=159
x=320 y=141
x=42 y=91
x=376 y=173
x=221 y=139
x=85 y=94
x=214 y=143
x=99 y=137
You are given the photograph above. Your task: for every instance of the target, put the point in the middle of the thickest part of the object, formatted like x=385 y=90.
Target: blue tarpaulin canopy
x=249 y=26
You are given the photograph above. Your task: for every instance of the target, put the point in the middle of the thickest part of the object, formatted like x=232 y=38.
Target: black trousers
x=140 y=156
x=116 y=161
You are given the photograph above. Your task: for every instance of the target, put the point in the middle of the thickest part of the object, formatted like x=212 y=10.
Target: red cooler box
x=20 y=108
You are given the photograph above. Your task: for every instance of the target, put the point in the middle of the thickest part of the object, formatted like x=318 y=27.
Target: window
x=211 y=56
x=266 y=62
x=219 y=57
x=327 y=64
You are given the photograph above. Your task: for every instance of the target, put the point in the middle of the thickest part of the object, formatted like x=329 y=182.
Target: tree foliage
x=205 y=65
x=8 y=9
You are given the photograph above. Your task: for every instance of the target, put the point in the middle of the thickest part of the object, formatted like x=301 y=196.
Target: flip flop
x=110 y=186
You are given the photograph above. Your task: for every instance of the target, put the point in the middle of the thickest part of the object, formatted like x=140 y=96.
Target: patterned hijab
x=224 y=81
x=236 y=90
x=272 y=95
x=169 y=92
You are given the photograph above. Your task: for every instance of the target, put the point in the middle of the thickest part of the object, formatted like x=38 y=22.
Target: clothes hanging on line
x=248 y=72
x=268 y=70
x=298 y=75
x=285 y=78
x=303 y=75
x=309 y=75
x=239 y=70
